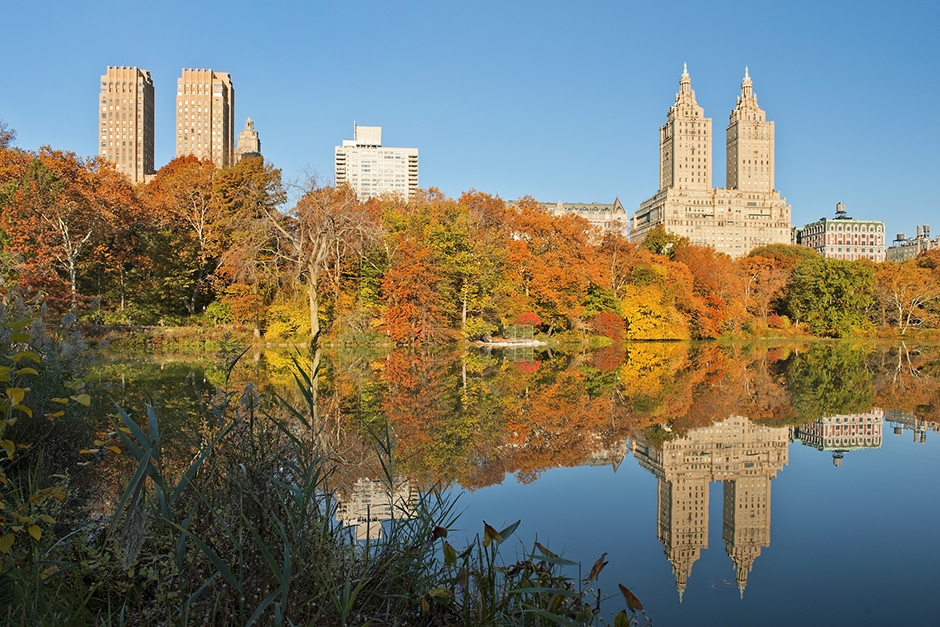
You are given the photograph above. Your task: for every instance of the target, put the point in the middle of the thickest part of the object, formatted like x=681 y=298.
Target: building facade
x=125 y=132
x=902 y=248
x=372 y=169
x=249 y=142
x=748 y=212
x=607 y=217
x=901 y=421
x=844 y=238
x=205 y=116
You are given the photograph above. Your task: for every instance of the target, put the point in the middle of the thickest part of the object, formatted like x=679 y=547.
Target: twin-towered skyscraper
x=205 y=119
x=748 y=212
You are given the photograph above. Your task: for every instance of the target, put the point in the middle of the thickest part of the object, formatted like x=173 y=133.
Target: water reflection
x=844 y=433
x=368 y=502
x=745 y=457
x=901 y=421
x=690 y=415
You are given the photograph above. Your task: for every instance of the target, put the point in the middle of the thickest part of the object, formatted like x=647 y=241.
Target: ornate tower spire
x=249 y=142
x=685 y=82
x=747 y=88
x=749 y=143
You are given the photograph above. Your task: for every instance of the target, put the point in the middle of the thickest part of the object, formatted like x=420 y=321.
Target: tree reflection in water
x=473 y=418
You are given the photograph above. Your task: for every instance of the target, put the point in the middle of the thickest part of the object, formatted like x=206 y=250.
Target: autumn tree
x=763 y=283
x=247 y=193
x=618 y=256
x=716 y=304
x=904 y=292
x=325 y=227
x=7 y=135
x=786 y=256
x=415 y=308
x=552 y=264
x=652 y=297
x=55 y=214
x=191 y=227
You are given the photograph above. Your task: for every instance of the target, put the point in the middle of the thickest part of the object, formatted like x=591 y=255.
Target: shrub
x=218 y=313
x=609 y=325
x=477 y=328
x=528 y=318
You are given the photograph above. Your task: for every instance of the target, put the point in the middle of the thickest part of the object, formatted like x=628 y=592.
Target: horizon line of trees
x=200 y=243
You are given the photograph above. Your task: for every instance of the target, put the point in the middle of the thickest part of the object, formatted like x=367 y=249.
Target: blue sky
x=558 y=100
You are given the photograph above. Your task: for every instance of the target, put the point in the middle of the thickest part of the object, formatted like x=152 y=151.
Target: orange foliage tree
x=905 y=293
x=192 y=229
x=551 y=264
x=715 y=305
x=53 y=217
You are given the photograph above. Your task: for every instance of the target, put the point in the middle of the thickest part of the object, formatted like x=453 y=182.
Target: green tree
x=832 y=296
x=659 y=241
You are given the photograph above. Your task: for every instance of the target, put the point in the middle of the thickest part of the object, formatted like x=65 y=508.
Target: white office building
x=372 y=169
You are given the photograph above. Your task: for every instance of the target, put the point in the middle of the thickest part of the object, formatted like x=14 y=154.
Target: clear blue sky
x=559 y=100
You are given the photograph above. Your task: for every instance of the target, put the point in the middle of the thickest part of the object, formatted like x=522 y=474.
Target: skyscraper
x=125 y=130
x=205 y=116
x=371 y=169
x=748 y=212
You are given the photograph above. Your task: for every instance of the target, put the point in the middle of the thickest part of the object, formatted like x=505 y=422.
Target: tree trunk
x=314 y=309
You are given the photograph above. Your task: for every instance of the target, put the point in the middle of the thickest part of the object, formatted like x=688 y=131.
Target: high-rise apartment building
x=125 y=130
x=371 y=169
x=205 y=116
x=748 y=212
x=844 y=238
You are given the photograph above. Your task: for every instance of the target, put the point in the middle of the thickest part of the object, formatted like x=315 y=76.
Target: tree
x=326 y=226
x=832 y=296
x=551 y=262
x=247 y=274
x=904 y=291
x=7 y=135
x=659 y=241
x=180 y=198
x=415 y=311
x=786 y=255
x=764 y=281
x=716 y=305
x=55 y=214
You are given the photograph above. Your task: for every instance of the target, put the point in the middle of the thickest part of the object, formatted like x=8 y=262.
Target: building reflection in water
x=367 y=503
x=843 y=433
x=900 y=421
x=745 y=457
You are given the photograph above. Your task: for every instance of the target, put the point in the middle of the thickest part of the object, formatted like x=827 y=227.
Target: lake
x=728 y=484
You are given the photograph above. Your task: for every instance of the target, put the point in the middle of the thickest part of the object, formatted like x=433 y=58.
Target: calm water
x=750 y=485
